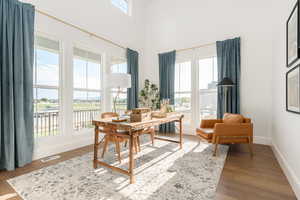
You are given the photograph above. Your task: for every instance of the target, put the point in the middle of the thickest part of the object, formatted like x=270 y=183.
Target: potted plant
x=149 y=96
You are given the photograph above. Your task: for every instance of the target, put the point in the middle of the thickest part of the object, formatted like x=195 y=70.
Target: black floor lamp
x=226 y=83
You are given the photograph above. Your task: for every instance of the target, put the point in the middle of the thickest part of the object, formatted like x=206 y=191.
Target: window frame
x=198 y=73
x=189 y=111
x=59 y=88
x=112 y=90
x=101 y=91
x=194 y=56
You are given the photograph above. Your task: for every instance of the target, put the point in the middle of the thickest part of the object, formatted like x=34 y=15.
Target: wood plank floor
x=243 y=177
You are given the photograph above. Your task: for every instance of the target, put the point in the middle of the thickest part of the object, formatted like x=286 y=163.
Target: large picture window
x=87 y=88
x=119 y=65
x=46 y=73
x=183 y=89
x=208 y=78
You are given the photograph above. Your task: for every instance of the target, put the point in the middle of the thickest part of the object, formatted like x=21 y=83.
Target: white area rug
x=162 y=172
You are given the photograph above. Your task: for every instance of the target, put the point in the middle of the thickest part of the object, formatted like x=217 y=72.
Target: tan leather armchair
x=232 y=129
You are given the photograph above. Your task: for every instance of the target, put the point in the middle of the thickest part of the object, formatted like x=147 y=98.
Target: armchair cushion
x=209 y=123
x=206 y=133
x=229 y=118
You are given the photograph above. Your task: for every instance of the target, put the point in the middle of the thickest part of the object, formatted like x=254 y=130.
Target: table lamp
x=119 y=81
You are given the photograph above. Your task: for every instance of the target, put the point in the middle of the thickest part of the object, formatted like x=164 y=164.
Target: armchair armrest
x=209 y=123
x=242 y=129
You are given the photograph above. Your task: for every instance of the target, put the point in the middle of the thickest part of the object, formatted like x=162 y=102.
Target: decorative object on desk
x=149 y=96
x=140 y=114
x=165 y=106
x=225 y=83
x=292 y=36
x=120 y=119
x=119 y=81
x=158 y=114
x=293 y=90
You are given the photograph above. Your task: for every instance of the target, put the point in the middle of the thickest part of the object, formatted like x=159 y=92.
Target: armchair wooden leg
x=216 y=146
x=105 y=145
x=250 y=146
x=126 y=143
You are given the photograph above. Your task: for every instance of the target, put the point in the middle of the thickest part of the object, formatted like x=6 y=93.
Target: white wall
x=285 y=125
x=100 y=17
x=176 y=24
x=96 y=16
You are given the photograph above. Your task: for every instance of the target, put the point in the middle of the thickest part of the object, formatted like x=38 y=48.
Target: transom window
x=123 y=5
x=46 y=72
x=87 y=88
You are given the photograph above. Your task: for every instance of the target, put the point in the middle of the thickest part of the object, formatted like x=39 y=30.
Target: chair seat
x=205 y=133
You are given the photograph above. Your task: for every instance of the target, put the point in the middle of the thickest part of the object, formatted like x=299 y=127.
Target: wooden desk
x=132 y=131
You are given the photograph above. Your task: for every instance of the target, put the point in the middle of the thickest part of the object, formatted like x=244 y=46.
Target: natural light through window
x=208 y=77
x=46 y=87
x=183 y=89
x=87 y=88
x=123 y=5
x=119 y=65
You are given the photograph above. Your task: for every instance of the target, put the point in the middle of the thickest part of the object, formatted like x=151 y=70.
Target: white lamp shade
x=118 y=80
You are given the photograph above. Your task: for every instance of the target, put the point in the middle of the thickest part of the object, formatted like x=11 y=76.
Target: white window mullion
x=67 y=87
x=195 y=94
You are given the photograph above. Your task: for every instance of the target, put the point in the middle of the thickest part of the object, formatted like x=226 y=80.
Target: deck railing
x=47 y=123
x=83 y=118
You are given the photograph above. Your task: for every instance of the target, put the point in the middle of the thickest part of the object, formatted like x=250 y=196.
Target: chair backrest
x=109 y=115
x=236 y=118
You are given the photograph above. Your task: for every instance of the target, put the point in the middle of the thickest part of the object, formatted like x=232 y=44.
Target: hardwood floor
x=243 y=177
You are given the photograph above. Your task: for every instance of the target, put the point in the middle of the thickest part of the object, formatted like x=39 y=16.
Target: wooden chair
x=148 y=131
x=115 y=136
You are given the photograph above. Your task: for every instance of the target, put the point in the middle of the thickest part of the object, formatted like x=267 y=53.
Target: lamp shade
x=226 y=82
x=118 y=80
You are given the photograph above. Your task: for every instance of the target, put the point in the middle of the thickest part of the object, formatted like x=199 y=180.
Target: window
x=183 y=89
x=123 y=5
x=46 y=87
x=87 y=88
x=208 y=78
x=119 y=65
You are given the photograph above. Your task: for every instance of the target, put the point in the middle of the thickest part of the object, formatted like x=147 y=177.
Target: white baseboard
x=62 y=146
x=288 y=171
x=261 y=140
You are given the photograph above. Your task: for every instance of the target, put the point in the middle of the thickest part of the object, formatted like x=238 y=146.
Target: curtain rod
x=196 y=47
x=80 y=29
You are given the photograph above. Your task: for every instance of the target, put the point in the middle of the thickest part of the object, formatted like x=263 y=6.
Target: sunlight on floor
x=159 y=163
x=201 y=147
x=8 y=196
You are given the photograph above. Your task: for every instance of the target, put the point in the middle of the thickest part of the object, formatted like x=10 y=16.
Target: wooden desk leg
x=131 y=158
x=180 y=132
x=96 y=146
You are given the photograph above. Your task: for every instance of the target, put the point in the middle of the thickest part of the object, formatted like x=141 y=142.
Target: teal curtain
x=133 y=69
x=16 y=65
x=229 y=65
x=167 y=83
